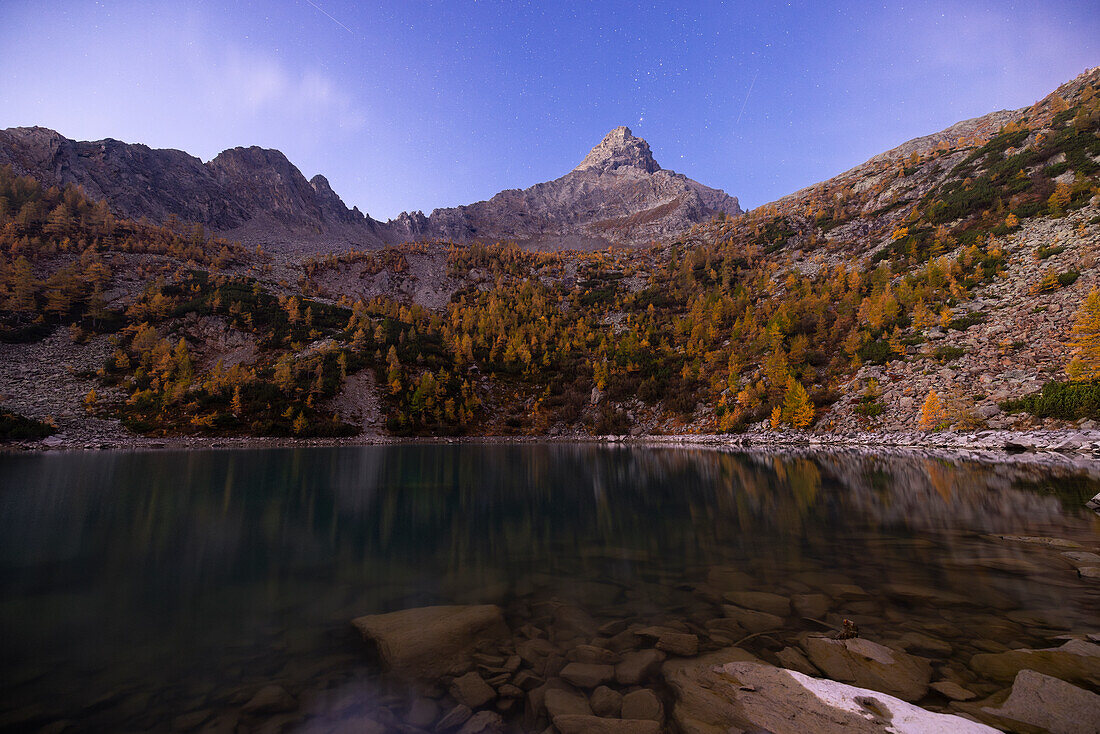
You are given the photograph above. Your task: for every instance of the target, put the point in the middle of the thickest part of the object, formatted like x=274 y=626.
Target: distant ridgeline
x=617 y=195
x=796 y=313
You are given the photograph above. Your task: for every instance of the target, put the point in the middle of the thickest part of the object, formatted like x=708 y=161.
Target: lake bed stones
x=427 y=643
x=1077 y=661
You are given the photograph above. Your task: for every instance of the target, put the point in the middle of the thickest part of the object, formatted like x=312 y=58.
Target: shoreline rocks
x=748 y=696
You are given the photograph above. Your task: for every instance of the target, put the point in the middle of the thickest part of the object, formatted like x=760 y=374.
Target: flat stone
x=270 y=700
x=471 y=690
x=751 y=619
x=427 y=643
x=638 y=667
x=751 y=696
x=588 y=675
x=678 y=643
x=870 y=665
x=1050 y=704
x=642 y=704
x=593 y=654
x=574 y=724
x=952 y=690
x=1075 y=661
x=922 y=644
x=760 y=601
x=606 y=702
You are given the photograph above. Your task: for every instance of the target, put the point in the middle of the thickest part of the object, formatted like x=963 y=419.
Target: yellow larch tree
x=932 y=413
x=1085 y=364
x=798 y=409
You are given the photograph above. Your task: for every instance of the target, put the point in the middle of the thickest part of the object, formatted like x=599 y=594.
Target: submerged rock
x=753 y=696
x=1048 y=703
x=427 y=643
x=870 y=665
x=472 y=690
x=638 y=667
x=642 y=704
x=1076 y=661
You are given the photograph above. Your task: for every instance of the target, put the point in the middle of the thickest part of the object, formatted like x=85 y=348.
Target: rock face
x=428 y=643
x=748 y=696
x=618 y=194
x=243 y=190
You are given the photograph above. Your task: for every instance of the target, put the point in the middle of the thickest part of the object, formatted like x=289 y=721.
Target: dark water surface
x=136 y=587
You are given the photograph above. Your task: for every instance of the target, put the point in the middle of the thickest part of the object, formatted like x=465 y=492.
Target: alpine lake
x=214 y=590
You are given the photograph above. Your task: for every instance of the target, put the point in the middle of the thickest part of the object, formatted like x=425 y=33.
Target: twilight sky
x=413 y=104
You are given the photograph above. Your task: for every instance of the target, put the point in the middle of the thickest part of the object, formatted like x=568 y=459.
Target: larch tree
x=932 y=413
x=1085 y=364
x=798 y=409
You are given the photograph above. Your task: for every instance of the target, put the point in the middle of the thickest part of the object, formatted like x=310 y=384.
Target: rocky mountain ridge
x=618 y=194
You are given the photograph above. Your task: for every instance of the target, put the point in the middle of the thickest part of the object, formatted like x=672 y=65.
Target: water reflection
x=181 y=576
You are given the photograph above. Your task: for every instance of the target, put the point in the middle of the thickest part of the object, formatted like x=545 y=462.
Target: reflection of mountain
x=239 y=514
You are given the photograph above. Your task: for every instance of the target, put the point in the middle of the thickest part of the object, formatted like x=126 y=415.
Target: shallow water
x=139 y=586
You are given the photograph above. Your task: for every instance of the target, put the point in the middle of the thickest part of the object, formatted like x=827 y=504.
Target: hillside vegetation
x=850 y=304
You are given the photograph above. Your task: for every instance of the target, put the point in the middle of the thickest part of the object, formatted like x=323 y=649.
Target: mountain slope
x=936 y=285
x=619 y=194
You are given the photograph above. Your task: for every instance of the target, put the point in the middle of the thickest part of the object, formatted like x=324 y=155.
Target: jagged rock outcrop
x=618 y=194
x=252 y=194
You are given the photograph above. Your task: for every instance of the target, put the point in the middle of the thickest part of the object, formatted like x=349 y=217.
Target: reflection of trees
x=227 y=515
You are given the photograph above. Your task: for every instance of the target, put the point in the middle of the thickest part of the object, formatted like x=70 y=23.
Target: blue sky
x=414 y=104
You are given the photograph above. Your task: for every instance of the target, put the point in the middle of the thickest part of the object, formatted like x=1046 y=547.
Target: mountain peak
x=619 y=149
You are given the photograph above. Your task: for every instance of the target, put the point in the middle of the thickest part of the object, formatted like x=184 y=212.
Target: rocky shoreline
x=1067 y=445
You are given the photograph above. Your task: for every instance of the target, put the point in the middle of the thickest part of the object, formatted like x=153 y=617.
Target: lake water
x=136 y=587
